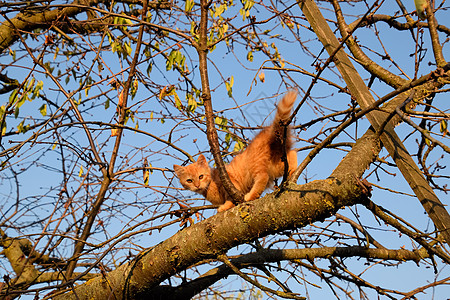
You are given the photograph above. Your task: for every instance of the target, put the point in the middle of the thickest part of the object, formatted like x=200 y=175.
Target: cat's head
x=195 y=177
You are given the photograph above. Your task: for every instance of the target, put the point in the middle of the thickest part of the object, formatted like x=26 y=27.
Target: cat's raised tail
x=284 y=109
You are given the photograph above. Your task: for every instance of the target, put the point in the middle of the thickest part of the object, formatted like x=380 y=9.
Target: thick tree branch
x=22 y=266
x=391 y=141
x=363 y=59
x=211 y=132
x=302 y=205
x=10 y=84
x=27 y=21
x=432 y=28
x=265 y=256
x=34 y=17
x=205 y=240
x=80 y=207
x=392 y=22
x=107 y=178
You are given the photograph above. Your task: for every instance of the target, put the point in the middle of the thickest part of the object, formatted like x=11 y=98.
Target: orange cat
x=251 y=171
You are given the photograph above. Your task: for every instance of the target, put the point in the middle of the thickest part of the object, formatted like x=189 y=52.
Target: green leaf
x=149 y=16
x=13 y=96
x=177 y=101
x=122 y=21
x=48 y=67
x=21 y=128
x=149 y=68
x=147 y=52
x=127 y=21
x=21 y=101
x=443 y=126
x=228 y=138
x=116 y=46
x=175 y=58
x=248 y=4
x=188 y=5
x=127 y=116
x=99 y=66
x=244 y=13
x=197 y=94
x=250 y=56
x=43 y=110
x=192 y=104
x=421 y=5
x=134 y=88
x=194 y=30
x=222 y=122
x=238 y=146
x=146 y=177
x=127 y=49
x=223 y=28
x=110 y=37
x=30 y=84
x=427 y=141
x=169 y=61
x=39 y=86
x=218 y=11
x=229 y=86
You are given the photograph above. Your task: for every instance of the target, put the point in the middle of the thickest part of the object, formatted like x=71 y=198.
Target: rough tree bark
x=302 y=205
x=434 y=207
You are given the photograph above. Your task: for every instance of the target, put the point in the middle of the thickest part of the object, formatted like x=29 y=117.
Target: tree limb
x=266 y=256
x=302 y=205
x=211 y=132
x=391 y=141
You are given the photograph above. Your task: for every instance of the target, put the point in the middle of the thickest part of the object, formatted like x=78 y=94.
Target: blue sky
x=256 y=101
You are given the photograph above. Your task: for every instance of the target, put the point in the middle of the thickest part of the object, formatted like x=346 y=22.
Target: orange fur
x=251 y=171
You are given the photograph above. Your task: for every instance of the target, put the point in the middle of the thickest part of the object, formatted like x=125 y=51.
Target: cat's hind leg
x=292 y=161
x=259 y=185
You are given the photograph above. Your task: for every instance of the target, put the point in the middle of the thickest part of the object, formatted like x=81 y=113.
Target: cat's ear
x=178 y=170
x=202 y=160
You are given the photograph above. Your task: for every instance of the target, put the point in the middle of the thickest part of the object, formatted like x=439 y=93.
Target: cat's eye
x=189 y=180
x=200 y=177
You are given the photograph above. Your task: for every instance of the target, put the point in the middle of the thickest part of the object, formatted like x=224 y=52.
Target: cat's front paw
x=226 y=206
x=250 y=197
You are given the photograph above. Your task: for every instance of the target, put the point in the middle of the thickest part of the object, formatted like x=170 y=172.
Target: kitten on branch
x=251 y=171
